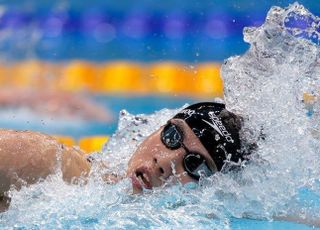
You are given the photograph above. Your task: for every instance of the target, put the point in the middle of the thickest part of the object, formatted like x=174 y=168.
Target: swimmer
x=54 y=102
x=199 y=141
x=196 y=142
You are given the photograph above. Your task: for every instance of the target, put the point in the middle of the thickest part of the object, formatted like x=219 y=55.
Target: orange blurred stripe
x=208 y=81
x=78 y=76
x=66 y=140
x=121 y=77
x=26 y=74
x=92 y=143
x=170 y=78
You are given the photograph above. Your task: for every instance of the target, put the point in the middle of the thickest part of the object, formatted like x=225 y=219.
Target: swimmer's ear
x=231 y=120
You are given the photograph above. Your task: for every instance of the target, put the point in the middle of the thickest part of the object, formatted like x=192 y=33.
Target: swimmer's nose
x=158 y=167
x=162 y=169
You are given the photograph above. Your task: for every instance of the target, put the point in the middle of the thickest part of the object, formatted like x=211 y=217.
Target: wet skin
x=26 y=157
x=153 y=163
x=32 y=156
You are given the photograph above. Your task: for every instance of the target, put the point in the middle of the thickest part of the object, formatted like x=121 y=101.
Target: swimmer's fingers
x=111 y=178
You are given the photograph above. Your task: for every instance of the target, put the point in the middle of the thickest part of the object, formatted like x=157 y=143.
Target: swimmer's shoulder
x=25 y=146
x=37 y=155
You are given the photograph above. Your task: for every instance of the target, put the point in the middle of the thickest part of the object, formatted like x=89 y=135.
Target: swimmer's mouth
x=143 y=178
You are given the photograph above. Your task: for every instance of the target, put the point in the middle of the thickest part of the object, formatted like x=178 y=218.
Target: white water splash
x=266 y=85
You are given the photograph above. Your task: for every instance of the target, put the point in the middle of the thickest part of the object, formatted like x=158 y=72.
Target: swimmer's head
x=217 y=129
x=198 y=141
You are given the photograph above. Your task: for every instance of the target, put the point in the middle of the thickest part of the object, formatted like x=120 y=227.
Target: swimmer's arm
x=294 y=216
x=299 y=218
x=26 y=157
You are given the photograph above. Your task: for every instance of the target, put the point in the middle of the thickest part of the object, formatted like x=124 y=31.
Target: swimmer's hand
x=101 y=169
x=112 y=178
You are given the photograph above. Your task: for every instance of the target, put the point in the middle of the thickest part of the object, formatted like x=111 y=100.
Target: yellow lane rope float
x=66 y=140
x=78 y=76
x=121 y=77
x=92 y=143
x=172 y=78
x=88 y=144
x=169 y=78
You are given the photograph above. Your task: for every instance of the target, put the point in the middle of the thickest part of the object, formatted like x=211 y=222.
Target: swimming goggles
x=194 y=163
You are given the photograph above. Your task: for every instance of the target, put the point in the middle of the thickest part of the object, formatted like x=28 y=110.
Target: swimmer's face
x=154 y=163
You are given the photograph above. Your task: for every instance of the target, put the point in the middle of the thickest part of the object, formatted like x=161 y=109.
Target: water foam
x=265 y=86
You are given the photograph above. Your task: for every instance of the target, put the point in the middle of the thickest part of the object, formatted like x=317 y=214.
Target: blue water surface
x=77 y=129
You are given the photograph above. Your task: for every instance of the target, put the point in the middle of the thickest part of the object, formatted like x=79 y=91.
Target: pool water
x=26 y=119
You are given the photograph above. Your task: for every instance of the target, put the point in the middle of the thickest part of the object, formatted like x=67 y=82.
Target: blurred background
x=68 y=67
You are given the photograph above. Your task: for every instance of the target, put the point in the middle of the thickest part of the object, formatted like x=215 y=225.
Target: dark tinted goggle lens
x=196 y=166
x=171 y=137
x=194 y=163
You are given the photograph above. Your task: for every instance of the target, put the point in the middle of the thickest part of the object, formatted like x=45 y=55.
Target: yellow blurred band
x=92 y=143
x=119 y=77
x=87 y=144
x=66 y=140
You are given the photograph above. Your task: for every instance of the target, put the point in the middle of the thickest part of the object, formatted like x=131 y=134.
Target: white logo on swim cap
x=188 y=112
x=219 y=127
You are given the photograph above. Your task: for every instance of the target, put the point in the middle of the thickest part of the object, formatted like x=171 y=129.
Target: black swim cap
x=217 y=129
